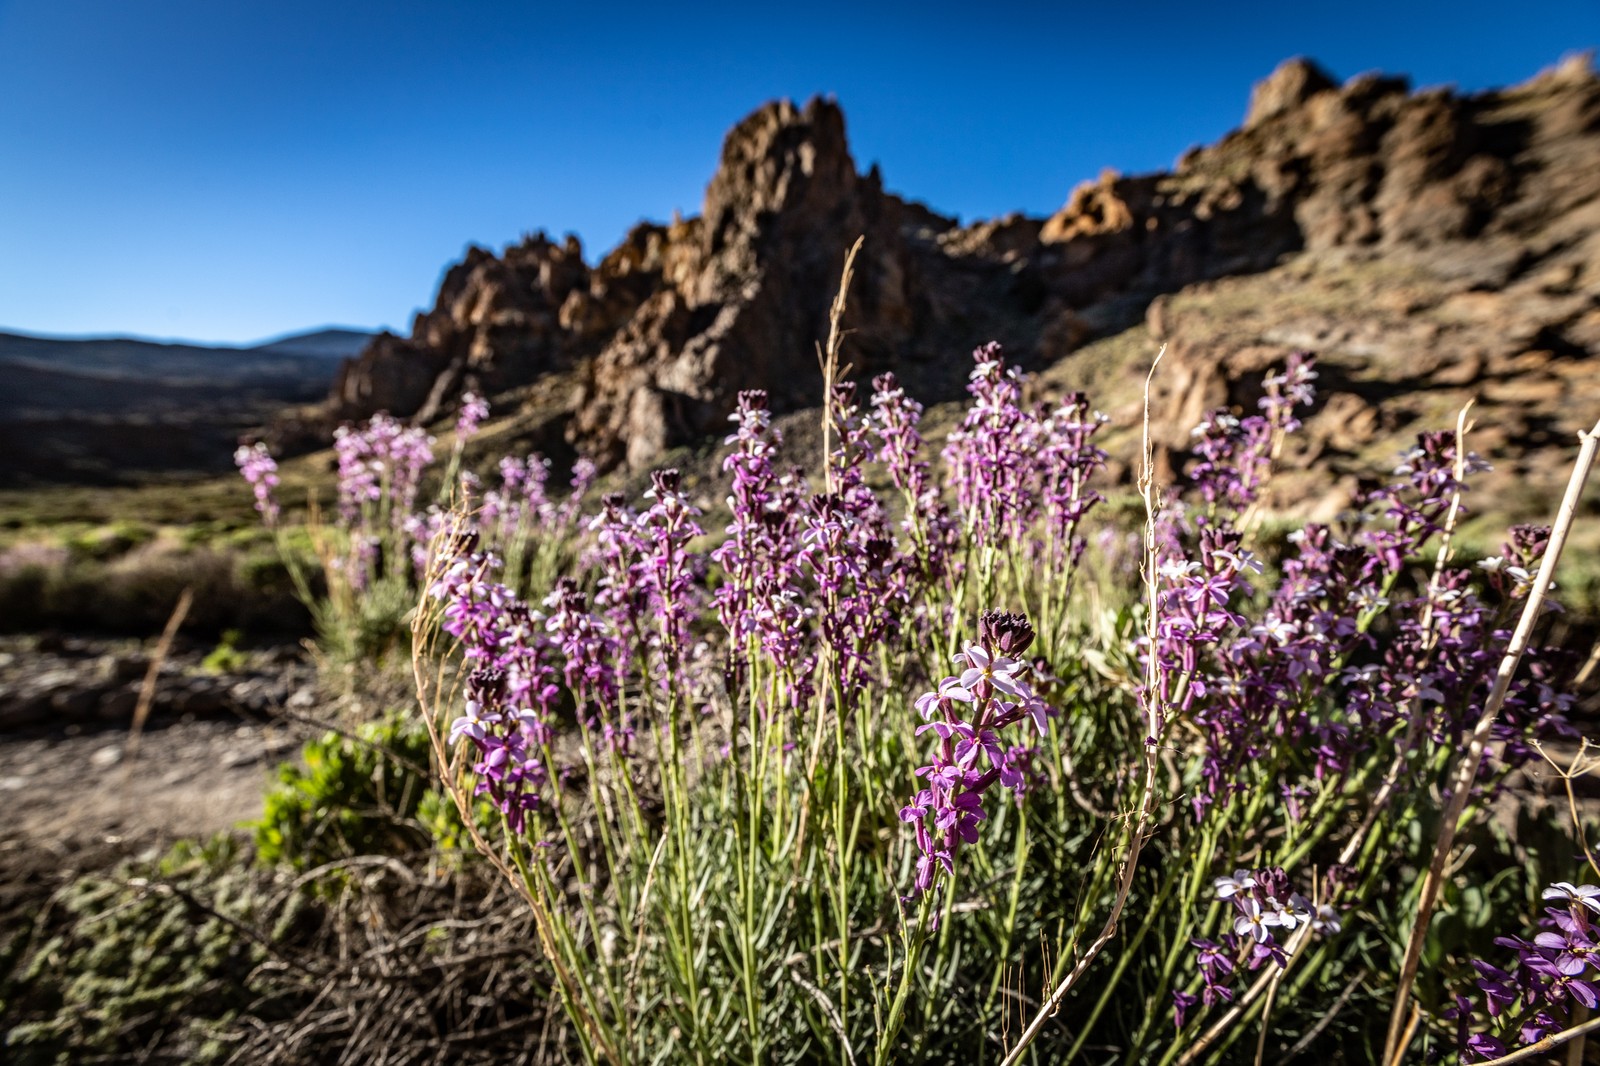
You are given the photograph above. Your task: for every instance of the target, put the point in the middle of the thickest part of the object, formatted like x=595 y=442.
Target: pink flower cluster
x=967 y=713
x=260 y=470
x=380 y=467
x=1013 y=467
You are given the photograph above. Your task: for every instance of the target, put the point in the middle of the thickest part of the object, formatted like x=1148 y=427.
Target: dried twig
x=828 y=357
x=1326 y=1019
x=1143 y=815
x=147 y=688
x=1467 y=769
x=829 y=1011
x=1539 y=1047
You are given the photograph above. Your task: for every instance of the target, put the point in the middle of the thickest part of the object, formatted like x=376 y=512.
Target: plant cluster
x=756 y=814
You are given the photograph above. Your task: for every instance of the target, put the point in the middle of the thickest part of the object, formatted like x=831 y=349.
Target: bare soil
x=70 y=804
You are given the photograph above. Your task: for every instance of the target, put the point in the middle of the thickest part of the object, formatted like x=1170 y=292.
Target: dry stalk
x=147 y=688
x=1539 y=1047
x=828 y=357
x=1467 y=769
x=1327 y=1017
x=828 y=362
x=1589 y=664
x=431 y=696
x=1143 y=815
x=829 y=1011
x=1582 y=765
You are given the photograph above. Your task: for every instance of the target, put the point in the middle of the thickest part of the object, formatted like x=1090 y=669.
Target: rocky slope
x=1431 y=247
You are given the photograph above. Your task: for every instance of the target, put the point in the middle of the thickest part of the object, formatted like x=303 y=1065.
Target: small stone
x=107 y=756
x=23 y=711
x=75 y=704
x=118 y=706
x=129 y=667
x=198 y=699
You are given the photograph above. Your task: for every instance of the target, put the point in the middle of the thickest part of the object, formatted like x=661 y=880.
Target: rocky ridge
x=1429 y=246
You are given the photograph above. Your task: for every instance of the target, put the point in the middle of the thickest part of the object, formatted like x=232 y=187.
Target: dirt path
x=75 y=797
x=187 y=778
x=71 y=804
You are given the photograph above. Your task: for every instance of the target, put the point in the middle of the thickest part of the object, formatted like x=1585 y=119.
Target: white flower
x=1238 y=561
x=1276 y=628
x=1228 y=887
x=1254 y=922
x=1297 y=911
x=1588 y=895
x=1001 y=672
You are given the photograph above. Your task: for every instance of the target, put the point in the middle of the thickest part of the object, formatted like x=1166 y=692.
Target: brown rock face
x=1288 y=88
x=665 y=331
x=1452 y=254
x=750 y=295
x=1428 y=245
x=498 y=321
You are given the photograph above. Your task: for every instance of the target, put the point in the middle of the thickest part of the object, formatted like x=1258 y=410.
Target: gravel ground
x=79 y=792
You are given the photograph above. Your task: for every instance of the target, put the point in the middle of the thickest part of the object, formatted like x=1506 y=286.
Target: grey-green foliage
x=152 y=958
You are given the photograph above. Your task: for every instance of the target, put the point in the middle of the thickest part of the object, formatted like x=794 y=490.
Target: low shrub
x=986 y=780
x=363 y=793
x=146 y=954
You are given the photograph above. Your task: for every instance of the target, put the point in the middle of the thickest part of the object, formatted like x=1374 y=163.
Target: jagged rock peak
x=744 y=307
x=1574 y=69
x=776 y=156
x=1292 y=84
x=1487 y=201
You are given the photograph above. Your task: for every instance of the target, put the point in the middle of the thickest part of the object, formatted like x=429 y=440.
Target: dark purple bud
x=1182 y=1003
x=826 y=504
x=1005 y=632
x=487 y=686
x=878 y=552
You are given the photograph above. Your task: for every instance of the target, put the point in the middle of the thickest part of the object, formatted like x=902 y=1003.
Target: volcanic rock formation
x=1429 y=246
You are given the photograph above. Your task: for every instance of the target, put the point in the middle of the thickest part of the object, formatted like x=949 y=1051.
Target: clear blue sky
x=227 y=170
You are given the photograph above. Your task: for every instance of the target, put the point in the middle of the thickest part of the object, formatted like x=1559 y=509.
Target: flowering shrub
x=757 y=815
x=1545 y=978
x=966 y=713
x=375 y=553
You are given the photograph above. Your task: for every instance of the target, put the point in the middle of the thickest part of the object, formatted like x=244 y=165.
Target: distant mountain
x=335 y=342
x=290 y=359
x=110 y=409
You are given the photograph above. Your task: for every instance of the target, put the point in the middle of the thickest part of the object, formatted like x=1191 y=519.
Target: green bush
x=372 y=629
x=44 y=586
x=110 y=542
x=225 y=657
x=362 y=794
